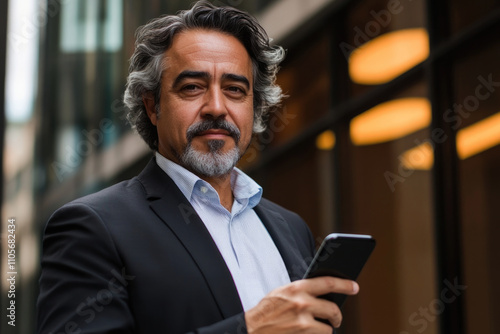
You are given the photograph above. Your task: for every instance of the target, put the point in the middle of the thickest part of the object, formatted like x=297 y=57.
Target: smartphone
x=341 y=255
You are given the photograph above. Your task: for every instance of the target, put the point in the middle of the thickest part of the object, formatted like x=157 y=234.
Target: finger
x=327 y=310
x=322 y=285
x=308 y=324
x=323 y=326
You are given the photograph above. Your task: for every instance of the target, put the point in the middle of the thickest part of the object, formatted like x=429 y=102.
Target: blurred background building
x=391 y=129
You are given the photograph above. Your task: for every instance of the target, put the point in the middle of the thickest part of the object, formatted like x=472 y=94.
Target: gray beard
x=211 y=164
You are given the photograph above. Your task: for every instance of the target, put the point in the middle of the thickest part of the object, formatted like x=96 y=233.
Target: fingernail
x=355 y=287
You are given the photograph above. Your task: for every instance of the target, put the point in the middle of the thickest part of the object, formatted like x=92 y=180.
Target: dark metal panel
x=445 y=173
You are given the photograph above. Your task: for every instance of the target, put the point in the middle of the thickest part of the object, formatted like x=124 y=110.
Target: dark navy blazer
x=136 y=258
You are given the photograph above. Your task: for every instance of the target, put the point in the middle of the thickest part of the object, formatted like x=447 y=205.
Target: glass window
x=386 y=185
x=302 y=181
x=370 y=172
x=91 y=25
x=477 y=118
x=83 y=85
x=379 y=34
x=464 y=13
x=305 y=79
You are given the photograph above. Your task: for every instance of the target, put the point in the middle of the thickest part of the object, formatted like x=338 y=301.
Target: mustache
x=209 y=124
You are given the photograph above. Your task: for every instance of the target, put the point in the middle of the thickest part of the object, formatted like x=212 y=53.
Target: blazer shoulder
x=296 y=223
x=151 y=182
x=125 y=191
x=288 y=214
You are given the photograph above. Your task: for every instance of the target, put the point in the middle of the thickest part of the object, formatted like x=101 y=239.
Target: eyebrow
x=191 y=75
x=205 y=75
x=238 y=78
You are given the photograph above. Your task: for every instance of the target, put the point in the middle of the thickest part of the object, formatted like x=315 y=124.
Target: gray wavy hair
x=154 y=39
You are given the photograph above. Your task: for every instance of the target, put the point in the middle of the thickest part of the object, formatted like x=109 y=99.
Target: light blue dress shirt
x=245 y=244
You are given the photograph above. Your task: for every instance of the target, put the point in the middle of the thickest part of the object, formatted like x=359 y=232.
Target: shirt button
x=204 y=189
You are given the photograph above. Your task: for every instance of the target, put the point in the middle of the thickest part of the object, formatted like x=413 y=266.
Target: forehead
x=205 y=49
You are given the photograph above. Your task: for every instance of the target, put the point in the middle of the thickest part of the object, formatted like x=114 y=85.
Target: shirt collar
x=244 y=187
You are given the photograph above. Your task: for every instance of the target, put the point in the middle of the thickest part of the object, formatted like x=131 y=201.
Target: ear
x=149 y=103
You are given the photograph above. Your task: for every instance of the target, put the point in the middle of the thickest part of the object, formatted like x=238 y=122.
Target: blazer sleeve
x=84 y=283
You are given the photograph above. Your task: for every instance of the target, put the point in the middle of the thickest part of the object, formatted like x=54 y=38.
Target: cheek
x=177 y=116
x=247 y=128
x=173 y=128
x=178 y=127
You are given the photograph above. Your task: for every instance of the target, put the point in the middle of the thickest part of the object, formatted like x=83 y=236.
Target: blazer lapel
x=284 y=241
x=171 y=206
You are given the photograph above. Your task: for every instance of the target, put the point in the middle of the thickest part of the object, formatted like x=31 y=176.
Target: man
x=188 y=245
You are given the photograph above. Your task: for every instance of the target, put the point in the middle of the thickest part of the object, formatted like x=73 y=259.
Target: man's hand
x=294 y=307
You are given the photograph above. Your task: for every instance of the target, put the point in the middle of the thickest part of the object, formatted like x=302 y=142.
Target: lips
x=214 y=132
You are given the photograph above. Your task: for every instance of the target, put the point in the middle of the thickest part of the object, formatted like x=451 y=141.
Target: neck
x=222 y=185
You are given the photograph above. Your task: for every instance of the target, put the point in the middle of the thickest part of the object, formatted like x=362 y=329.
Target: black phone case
x=341 y=256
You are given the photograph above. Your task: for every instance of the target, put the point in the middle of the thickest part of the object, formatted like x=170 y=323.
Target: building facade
x=391 y=128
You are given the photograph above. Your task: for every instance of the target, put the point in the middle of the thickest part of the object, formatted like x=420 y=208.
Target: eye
x=190 y=87
x=236 y=91
x=191 y=90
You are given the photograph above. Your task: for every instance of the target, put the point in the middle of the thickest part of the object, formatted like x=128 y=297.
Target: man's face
x=206 y=102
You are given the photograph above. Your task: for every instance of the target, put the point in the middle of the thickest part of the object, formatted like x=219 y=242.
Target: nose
x=215 y=104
